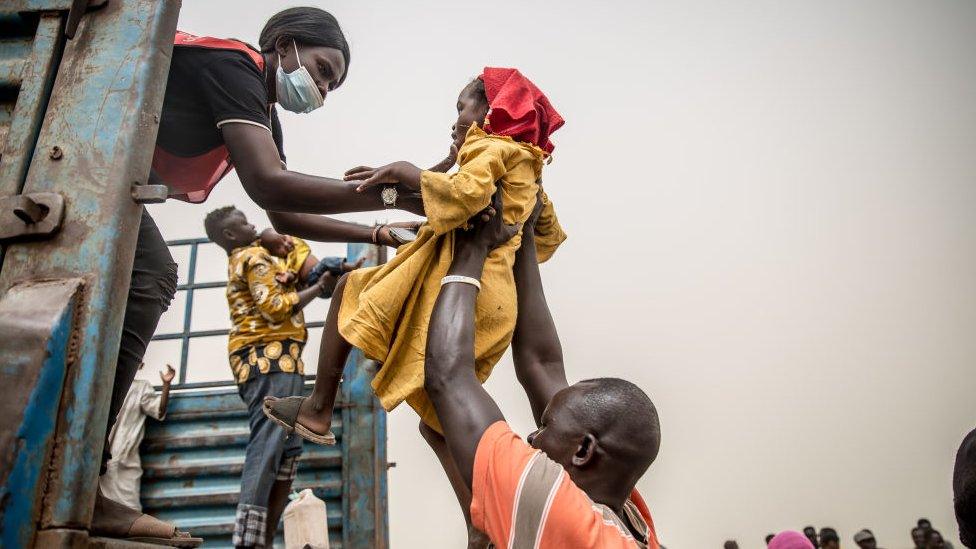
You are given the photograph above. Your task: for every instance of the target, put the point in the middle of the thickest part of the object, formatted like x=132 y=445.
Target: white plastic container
x=306 y=522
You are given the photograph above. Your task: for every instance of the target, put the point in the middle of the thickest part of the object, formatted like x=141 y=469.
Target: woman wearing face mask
x=219 y=115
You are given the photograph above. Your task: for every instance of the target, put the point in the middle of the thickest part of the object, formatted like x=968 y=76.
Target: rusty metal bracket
x=149 y=194
x=79 y=8
x=33 y=215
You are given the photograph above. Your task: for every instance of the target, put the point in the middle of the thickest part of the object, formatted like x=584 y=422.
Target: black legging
x=150 y=293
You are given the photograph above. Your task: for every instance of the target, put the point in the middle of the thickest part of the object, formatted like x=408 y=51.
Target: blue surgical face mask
x=297 y=91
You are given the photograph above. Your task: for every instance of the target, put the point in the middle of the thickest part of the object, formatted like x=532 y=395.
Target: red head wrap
x=518 y=109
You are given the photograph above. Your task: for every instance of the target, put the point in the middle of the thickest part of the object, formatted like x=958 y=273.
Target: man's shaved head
x=605 y=432
x=618 y=407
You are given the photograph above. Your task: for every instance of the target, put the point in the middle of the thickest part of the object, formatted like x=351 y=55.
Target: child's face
x=275 y=243
x=472 y=107
x=237 y=231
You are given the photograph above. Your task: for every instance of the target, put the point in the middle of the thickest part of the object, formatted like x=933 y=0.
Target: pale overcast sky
x=771 y=216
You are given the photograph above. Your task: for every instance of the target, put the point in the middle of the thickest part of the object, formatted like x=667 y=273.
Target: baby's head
x=506 y=103
x=472 y=108
x=275 y=243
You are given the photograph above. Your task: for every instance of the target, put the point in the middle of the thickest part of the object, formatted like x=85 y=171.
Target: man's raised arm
x=463 y=407
x=536 y=350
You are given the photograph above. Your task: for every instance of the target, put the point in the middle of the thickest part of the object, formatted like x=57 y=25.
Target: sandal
x=284 y=412
x=113 y=520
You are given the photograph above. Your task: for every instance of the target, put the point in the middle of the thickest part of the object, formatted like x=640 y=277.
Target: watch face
x=389 y=195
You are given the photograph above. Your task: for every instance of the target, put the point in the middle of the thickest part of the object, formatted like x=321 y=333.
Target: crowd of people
x=923 y=536
x=463 y=287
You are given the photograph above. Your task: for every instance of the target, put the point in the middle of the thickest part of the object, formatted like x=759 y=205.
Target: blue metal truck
x=81 y=88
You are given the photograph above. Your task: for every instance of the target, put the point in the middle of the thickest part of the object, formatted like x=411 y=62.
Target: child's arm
x=167 y=378
x=449 y=161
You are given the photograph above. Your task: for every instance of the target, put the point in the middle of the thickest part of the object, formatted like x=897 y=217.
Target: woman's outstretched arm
x=275 y=188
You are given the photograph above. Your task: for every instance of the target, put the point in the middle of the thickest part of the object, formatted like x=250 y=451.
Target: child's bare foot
x=300 y=415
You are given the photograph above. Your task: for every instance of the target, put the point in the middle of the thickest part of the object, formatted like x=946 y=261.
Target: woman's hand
x=384 y=238
x=403 y=173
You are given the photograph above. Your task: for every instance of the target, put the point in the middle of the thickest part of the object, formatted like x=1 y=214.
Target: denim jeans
x=269 y=450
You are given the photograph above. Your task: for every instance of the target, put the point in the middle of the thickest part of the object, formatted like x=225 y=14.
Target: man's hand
x=168 y=375
x=403 y=173
x=536 y=211
x=488 y=229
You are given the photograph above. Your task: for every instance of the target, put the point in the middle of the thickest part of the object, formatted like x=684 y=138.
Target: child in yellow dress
x=385 y=310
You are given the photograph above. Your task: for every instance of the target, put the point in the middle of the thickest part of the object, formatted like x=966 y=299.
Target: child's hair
x=215 y=220
x=478 y=87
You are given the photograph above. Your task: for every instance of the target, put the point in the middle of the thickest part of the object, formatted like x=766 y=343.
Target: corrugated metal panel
x=193 y=461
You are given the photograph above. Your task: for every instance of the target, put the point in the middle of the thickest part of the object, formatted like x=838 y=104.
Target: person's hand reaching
x=168 y=375
x=536 y=211
x=488 y=228
x=384 y=238
x=404 y=174
x=349 y=266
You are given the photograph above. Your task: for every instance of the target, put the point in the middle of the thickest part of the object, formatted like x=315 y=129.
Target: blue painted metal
x=96 y=98
x=79 y=118
x=25 y=83
x=193 y=459
x=39 y=357
x=364 y=447
x=192 y=466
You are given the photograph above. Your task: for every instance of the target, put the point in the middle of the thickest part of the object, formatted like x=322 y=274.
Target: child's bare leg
x=476 y=538
x=316 y=411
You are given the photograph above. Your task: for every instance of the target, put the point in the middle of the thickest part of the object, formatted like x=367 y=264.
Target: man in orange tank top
x=572 y=484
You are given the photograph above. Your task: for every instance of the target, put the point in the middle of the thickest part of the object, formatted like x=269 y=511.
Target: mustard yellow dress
x=386 y=309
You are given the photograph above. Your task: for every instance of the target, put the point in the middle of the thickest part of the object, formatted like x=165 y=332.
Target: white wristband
x=462 y=279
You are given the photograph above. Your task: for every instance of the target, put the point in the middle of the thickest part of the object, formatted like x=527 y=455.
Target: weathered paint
x=100 y=112
x=364 y=448
x=192 y=465
x=31 y=72
x=37 y=355
x=193 y=460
